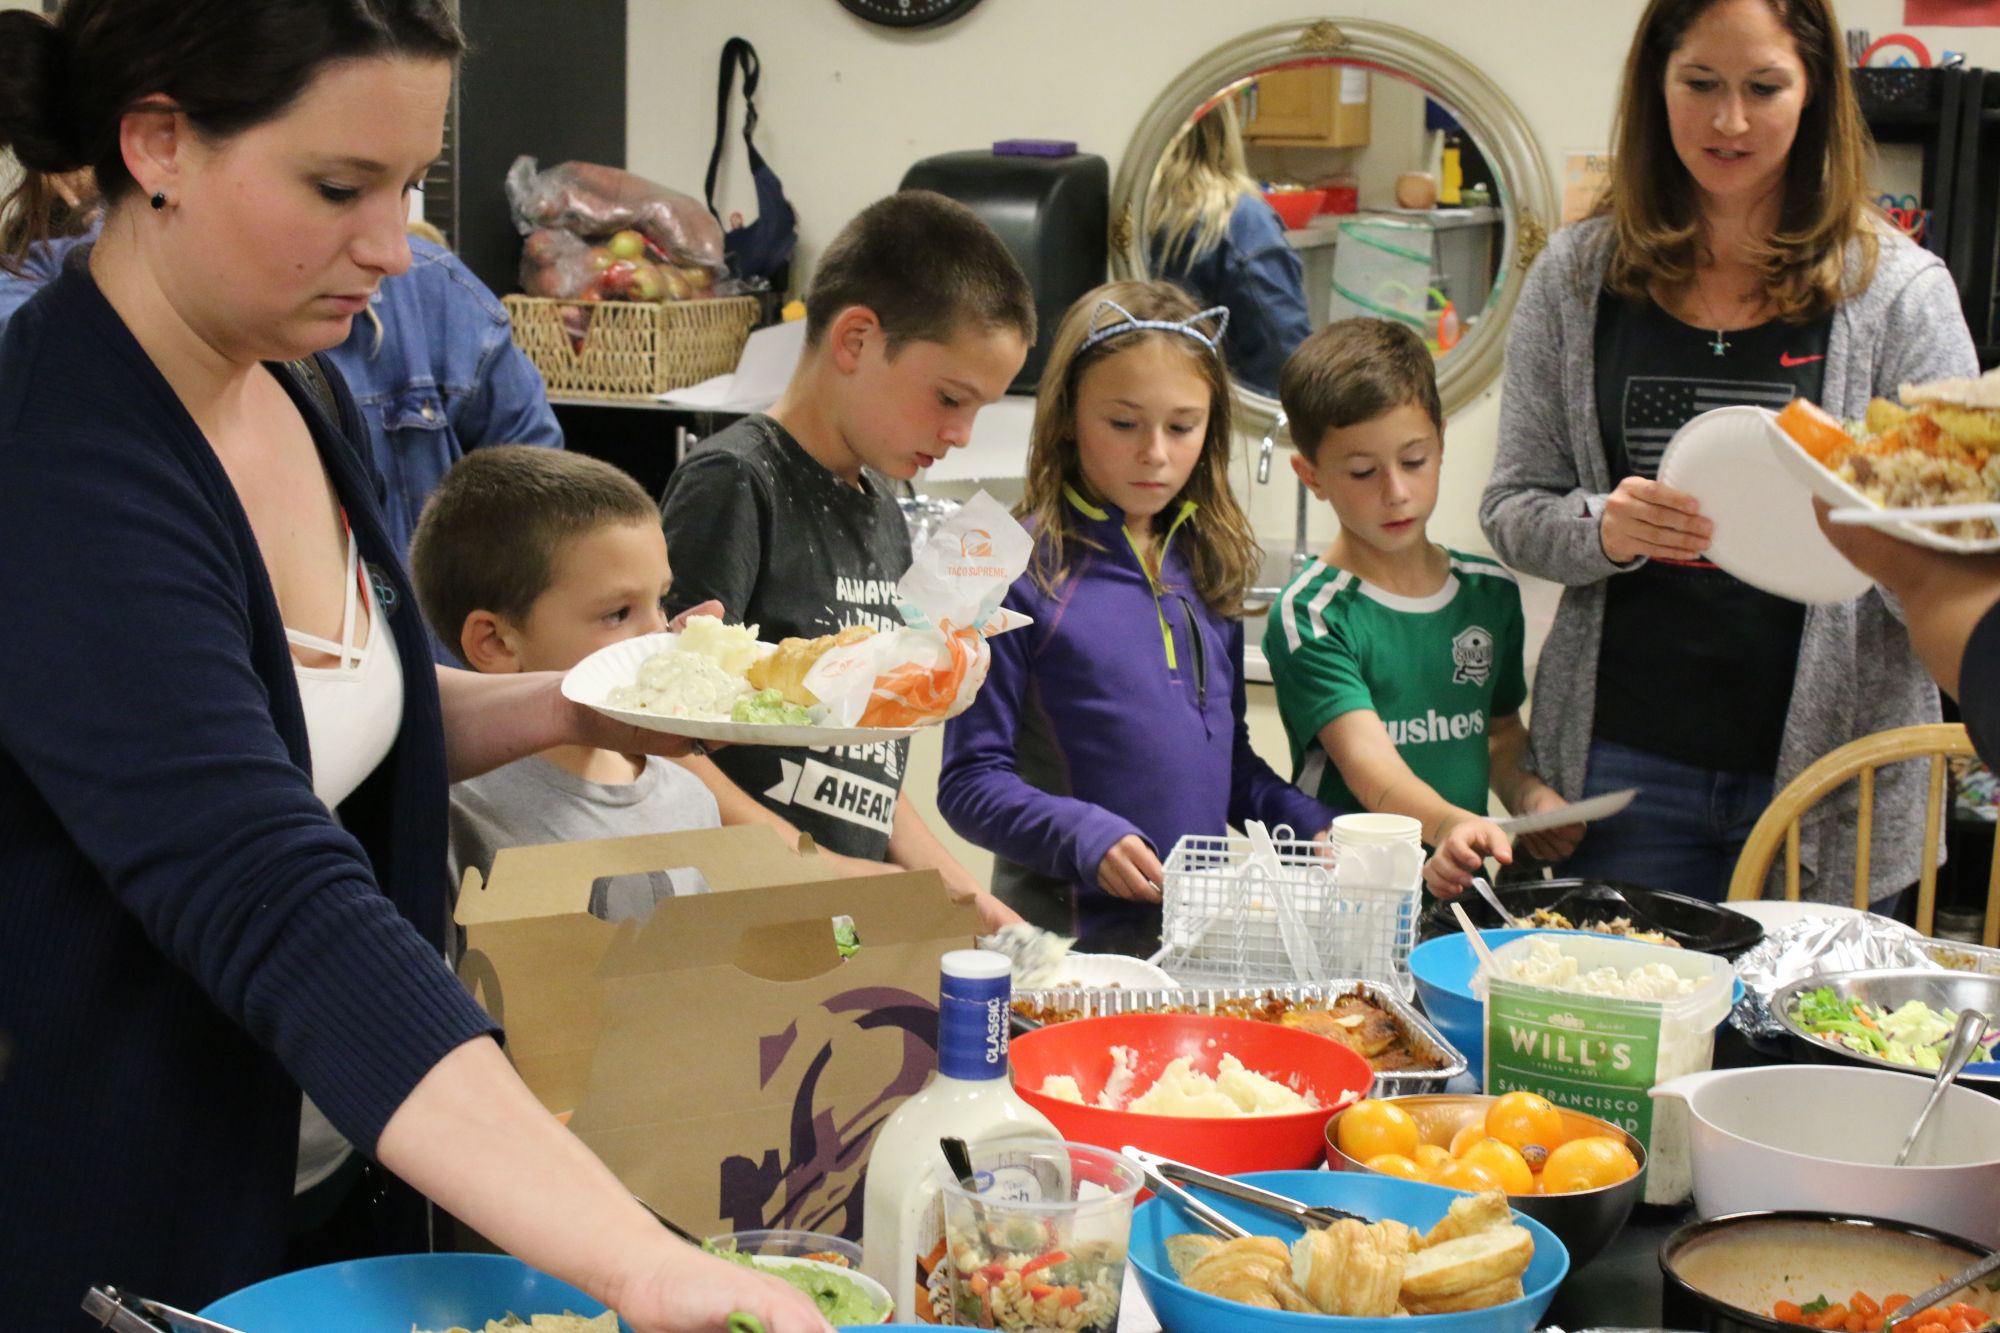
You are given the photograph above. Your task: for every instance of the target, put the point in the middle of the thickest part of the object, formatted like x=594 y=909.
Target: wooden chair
x=1858 y=761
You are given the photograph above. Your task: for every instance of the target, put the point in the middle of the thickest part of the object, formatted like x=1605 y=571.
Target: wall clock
x=908 y=13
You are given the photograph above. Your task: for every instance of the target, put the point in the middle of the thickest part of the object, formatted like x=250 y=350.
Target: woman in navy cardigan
x=188 y=936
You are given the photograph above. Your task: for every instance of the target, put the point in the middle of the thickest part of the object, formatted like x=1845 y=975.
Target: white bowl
x=1822 y=1137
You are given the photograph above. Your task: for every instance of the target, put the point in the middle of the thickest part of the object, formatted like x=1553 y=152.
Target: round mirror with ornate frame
x=1523 y=195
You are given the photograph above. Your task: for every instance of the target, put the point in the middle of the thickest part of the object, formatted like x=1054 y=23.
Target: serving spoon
x=1965 y=1038
x=1957 y=1282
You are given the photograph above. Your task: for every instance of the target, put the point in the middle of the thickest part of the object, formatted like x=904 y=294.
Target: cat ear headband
x=1128 y=323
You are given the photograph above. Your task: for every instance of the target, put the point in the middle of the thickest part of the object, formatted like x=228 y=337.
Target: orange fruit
x=1431 y=1156
x=1521 y=1120
x=1814 y=429
x=1466 y=1137
x=1508 y=1167
x=1395 y=1164
x=1587 y=1164
x=1468 y=1176
x=1372 y=1127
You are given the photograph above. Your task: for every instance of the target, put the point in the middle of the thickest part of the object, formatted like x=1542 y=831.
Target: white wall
x=846 y=106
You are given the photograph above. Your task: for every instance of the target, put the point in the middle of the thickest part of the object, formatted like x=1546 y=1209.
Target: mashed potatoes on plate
x=1181 y=1090
x=700 y=677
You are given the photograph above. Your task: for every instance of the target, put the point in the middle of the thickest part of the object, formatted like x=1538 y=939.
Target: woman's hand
x=1463 y=844
x=1646 y=518
x=1131 y=871
x=1551 y=844
x=692 y=1292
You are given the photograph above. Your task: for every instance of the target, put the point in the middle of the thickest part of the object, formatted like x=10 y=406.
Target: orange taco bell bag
x=931 y=668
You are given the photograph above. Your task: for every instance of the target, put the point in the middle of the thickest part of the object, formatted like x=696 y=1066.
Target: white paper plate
x=1828 y=486
x=1765 y=533
x=1771 y=913
x=591 y=681
x=1111 y=969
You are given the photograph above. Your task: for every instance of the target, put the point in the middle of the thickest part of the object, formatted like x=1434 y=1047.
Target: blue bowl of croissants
x=1430 y=1259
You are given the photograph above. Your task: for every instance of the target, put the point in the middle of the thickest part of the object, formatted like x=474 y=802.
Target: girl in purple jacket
x=1114 y=725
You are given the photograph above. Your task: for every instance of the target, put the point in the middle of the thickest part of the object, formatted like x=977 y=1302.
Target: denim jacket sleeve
x=441 y=377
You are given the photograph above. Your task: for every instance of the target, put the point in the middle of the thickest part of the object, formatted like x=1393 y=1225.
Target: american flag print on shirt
x=1657 y=406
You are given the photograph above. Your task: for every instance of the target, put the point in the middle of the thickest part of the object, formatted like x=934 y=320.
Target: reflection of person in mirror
x=1952 y=606
x=1212 y=232
x=1733 y=259
x=225 y=846
x=1114 y=725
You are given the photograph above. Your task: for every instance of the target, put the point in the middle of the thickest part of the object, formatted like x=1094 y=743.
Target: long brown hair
x=1222 y=550
x=1651 y=198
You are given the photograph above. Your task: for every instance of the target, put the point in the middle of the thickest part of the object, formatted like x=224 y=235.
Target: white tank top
x=353 y=711
x=355 y=708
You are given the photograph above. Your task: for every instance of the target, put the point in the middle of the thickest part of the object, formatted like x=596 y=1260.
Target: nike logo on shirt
x=1789 y=362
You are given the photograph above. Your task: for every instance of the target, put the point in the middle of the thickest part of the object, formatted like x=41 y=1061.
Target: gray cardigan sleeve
x=1539 y=508
x=1923 y=335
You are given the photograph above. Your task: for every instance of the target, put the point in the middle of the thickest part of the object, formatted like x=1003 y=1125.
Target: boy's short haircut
x=491 y=532
x=1352 y=371
x=927 y=266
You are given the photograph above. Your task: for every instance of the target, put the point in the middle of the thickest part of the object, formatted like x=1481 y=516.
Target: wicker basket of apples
x=621 y=278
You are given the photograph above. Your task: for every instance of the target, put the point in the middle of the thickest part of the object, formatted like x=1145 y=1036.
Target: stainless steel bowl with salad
x=1898 y=1019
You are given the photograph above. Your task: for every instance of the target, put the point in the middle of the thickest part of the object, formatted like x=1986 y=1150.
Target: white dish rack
x=1235 y=913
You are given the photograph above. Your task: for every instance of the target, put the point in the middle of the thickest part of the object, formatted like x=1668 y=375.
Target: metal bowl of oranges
x=1575 y=1174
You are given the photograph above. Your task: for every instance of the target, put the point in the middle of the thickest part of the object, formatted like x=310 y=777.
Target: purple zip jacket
x=1136 y=686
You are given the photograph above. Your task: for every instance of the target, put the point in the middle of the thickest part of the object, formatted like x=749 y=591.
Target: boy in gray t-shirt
x=530 y=560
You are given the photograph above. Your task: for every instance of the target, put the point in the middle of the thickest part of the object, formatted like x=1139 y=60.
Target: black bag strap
x=735 y=51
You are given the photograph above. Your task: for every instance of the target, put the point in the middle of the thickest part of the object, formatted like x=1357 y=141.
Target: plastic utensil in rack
x=1965 y=1038
x=1182 y=1174
x=1298 y=940
x=1952 y=1285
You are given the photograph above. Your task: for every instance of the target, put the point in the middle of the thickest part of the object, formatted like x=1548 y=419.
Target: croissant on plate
x=784 y=668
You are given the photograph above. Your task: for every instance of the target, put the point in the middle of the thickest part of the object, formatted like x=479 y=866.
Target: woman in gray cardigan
x=1734 y=259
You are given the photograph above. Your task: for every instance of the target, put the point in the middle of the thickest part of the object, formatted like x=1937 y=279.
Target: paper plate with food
x=1939 y=446
x=718 y=682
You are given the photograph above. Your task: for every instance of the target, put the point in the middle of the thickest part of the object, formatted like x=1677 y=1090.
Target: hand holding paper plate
x=857 y=687
x=1765 y=534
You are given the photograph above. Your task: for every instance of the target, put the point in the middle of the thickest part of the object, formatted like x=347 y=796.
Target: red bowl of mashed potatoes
x=1224 y=1094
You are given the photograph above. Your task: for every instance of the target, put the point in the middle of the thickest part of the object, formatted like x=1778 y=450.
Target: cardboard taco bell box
x=721 y=1057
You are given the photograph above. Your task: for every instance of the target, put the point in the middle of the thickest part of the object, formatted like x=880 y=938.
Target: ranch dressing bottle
x=902 y=1216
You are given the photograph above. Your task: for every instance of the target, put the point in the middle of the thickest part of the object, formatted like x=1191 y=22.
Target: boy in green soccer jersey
x=1398 y=662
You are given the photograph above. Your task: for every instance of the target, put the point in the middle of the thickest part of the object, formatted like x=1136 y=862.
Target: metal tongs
x=1166 y=1176
x=123 y=1312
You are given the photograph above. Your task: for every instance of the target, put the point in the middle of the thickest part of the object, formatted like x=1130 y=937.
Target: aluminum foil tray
x=1962 y=957
x=1097 y=1002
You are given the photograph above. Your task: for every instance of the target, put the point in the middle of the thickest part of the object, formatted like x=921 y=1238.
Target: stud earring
x=159 y=200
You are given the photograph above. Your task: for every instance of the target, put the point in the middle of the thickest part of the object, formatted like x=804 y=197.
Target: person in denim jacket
x=437 y=375
x=434 y=370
